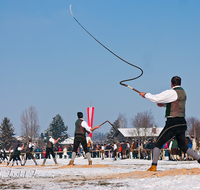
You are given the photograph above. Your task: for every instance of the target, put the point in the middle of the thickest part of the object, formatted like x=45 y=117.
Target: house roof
x=70 y=140
x=141 y=132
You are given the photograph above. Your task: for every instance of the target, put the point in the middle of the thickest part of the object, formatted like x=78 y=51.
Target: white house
x=70 y=140
x=140 y=132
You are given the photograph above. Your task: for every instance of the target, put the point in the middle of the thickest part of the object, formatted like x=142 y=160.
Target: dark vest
x=79 y=130
x=49 y=143
x=177 y=108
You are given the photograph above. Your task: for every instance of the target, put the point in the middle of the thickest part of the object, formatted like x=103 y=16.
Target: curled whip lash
x=121 y=82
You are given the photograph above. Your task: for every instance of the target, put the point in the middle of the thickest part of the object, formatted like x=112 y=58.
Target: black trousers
x=15 y=157
x=174 y=127
x=114 y=153
x=49 y=151
x=80 y=139
x=29 y=154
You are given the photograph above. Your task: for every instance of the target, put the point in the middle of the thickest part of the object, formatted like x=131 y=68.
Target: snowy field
x=103 y=174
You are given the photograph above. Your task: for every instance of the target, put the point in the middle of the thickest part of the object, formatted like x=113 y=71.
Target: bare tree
x=30 y=124
x=25 y=125
x=193 y=127
x=122 y=121
x=143 y=120
x=34 y=122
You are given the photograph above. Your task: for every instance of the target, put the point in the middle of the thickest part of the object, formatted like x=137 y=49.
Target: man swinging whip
x=174 y=101
x=81 y=127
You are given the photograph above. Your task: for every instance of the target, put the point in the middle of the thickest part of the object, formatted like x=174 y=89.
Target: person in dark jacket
x=124 y=148
x=174 y=150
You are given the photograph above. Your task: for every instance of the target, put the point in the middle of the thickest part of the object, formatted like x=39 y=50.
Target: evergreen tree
x=6 y=133
x=110 y=136
x=58 y=128
x=42 y=136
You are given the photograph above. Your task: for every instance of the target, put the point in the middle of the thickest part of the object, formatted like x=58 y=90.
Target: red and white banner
x=90 y=114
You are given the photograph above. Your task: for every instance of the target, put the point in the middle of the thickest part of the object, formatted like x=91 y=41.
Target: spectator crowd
x=133 y=149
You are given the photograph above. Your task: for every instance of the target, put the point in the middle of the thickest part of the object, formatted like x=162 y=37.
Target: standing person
x=65 y=152
x=184 y=155
x=169 y=151
x=81 y=127
x=89 y=144
x=134 y=149
x=23 y=153
x=194 y=144
x=70 y=151
x=120 y=151
x=49 y=148
x=29 y=152
x=4 y=154
x=174 y=150
x=43 y=152
x=102 y=151
x=148 y=148
x=38 y=151
x=55 y=151
x=124 y=147
x=127 y=149
x=115 y=151
x=15 y=153
x=60 y=151
x=174 y=101
x=1 y=156
x=141 y=152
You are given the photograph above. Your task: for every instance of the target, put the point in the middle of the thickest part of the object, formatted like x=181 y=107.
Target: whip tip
x=70 y=8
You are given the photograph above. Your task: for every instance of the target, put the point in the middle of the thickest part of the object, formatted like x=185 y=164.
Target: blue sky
x=48 y=61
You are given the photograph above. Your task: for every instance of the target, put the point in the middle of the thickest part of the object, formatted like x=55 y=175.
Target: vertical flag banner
x=90 y=114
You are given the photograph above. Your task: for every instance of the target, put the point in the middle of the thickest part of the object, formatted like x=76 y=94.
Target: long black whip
x=115 y=128
x=121 y=82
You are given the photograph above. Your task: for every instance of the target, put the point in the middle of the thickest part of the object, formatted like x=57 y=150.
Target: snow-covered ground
x=98 y=176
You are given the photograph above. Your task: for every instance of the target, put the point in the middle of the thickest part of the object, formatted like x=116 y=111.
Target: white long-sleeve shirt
x=170 y=145
x=166 y=96
x=86 y=126
x=31 y=145
x=51 y=140
x=115 y=147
